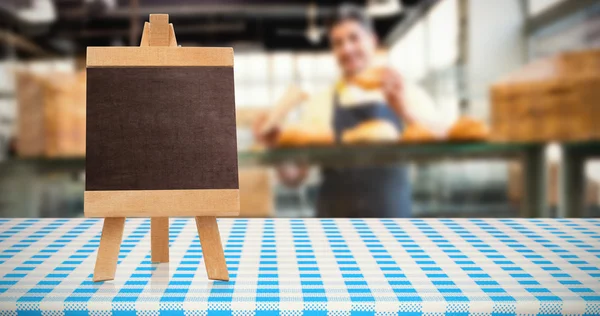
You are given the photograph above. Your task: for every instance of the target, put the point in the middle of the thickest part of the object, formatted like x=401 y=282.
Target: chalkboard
x=161 y=140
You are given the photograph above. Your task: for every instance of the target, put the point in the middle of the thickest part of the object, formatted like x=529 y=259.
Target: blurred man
x=358 y=192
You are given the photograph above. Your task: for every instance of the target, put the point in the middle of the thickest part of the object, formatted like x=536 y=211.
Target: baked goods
x=369 y=79
x=321 y=137
x=292 y=97
x=373 y=131
x=417 y=133
x=298 y=136
x=292 y=136
x=51 y=118
x=468 y=129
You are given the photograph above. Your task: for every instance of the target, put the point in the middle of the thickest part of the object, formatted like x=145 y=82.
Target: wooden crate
x=51 y=115
x=556 y=99
x=30 y=96
x=65 y=116
x=256 y=193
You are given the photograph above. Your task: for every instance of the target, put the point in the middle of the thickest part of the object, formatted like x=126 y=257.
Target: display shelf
x=386 y=154
x=343 y=155
x=45 y=164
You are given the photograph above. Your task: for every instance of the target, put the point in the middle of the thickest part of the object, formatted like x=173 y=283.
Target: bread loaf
x=369 y=79
x=373 y=131
x=417 y=133
x=299 y=136
x=468 y=129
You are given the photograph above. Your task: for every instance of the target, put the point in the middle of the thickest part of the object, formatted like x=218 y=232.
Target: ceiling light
x=383 y=8
x=40 y=11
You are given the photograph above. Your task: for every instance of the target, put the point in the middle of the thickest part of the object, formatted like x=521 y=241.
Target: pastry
x=369 y=79
x=292 y=136
x=373 y=131
x=298 y=136
x=322 y=137
x=417 y=133
x=468 y=129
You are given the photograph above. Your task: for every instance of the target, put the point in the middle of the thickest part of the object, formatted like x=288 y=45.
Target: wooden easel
x=108 y=204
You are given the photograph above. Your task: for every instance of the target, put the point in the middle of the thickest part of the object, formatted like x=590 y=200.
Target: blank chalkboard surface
x=161 y=128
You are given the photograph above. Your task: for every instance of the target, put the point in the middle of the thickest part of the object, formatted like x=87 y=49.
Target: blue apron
x=382 y=191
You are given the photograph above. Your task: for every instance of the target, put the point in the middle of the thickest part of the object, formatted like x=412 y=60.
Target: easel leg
x=159 y=239
x=108 y=251
x=212 y=250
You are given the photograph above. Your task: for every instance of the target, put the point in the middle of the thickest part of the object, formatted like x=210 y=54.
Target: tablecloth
x=310 y=266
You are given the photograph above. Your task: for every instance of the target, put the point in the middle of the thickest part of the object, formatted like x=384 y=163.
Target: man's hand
x=392 y=85
x=267 y=138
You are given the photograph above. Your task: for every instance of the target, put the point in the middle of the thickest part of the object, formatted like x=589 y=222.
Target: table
x=572 y=183
x=370 y=266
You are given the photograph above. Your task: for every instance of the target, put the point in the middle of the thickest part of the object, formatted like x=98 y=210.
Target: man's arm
x=267 y=127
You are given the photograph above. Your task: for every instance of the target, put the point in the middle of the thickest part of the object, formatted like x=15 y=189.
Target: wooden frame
x=158 y=48
x=140 y=203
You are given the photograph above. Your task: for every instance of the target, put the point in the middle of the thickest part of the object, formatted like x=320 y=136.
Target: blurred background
x=524 y=74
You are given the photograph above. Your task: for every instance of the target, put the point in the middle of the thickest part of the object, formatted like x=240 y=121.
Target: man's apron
x=382 y=191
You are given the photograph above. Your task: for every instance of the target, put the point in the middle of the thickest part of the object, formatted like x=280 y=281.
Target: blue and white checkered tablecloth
x=294 y=266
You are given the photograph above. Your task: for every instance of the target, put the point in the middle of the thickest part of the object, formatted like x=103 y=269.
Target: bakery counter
x=531 y=156
x=347 y=155
x=43 y=164
x=321 y=266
